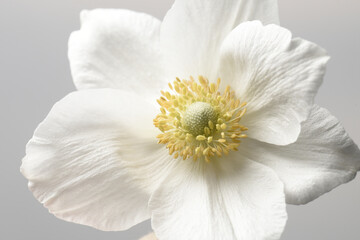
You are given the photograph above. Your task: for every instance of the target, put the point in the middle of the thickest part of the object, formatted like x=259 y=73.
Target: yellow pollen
x=198 y=121
x=200 y=138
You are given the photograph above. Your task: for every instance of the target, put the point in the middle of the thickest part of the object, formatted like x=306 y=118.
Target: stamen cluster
x=198 y=121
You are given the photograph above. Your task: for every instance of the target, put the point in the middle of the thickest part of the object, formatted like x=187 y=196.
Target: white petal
x=116 y=49
x=77 y=161
x=278 y=76
x=228 y=199
x=321 y=159
x=193 y=30
x=150 y=236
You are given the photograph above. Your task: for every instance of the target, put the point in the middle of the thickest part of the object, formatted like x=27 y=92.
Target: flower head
x=204 y=122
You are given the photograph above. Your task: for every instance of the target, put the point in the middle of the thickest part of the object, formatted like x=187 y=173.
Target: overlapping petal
x=226 y=199
x=193 y=30
x=278 y=76
x=117 y=49
x=321 y=159
x=81 y=158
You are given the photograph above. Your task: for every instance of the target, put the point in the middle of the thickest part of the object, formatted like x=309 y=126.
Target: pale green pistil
x=197 y=117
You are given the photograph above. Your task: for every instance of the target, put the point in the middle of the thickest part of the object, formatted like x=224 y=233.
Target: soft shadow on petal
x=321 y=159
x=117 y=49
x=278 y=76
x=193 y=30
x=228 y=199
x=76 y=162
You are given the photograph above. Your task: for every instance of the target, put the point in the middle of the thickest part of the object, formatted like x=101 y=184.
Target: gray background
x=34 y=74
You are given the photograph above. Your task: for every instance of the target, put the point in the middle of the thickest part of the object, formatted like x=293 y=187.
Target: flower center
x=197 y=117
x=198 y=121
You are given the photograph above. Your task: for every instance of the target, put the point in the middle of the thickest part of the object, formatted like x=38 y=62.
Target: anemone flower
x=204 y=122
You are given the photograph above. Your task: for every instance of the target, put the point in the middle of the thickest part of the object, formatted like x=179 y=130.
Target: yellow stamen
x=198 y=121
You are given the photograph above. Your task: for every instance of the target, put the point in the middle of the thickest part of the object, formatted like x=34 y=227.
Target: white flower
x=95 y=159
